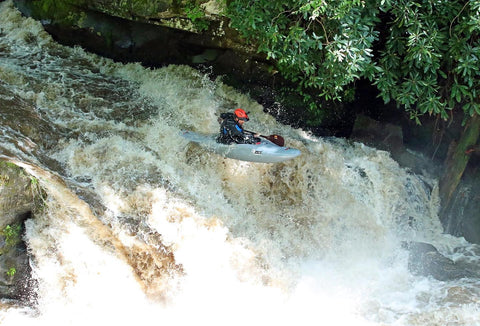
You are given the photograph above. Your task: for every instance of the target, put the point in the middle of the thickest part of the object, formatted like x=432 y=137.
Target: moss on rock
x=19 y=194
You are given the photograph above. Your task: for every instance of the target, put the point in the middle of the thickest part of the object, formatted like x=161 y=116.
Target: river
x=140 y=226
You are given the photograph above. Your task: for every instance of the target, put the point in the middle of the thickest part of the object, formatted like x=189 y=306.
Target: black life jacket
x=231 y=131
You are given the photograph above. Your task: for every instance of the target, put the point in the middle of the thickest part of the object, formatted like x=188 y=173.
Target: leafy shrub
x=422 y=54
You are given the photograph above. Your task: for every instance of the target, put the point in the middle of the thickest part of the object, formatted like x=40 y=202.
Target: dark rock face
x=152 y=32
x=16 y=197
x=463 y=219
x=133 y=8
x=388 y=137
x=424 y=259
x=15 y=274
x=16 y=205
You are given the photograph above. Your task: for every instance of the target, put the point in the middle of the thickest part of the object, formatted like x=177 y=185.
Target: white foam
x=316 y=240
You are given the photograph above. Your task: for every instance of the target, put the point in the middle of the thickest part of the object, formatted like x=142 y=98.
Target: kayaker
x=231 y=128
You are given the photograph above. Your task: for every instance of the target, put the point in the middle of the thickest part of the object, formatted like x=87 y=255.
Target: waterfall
x=139 y=225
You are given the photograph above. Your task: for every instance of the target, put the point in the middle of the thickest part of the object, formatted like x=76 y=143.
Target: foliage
x=12 y=234
x=422 y=54
x=11 y=271
x=197 y=15
x=4 y=180
x=60 y=10
x=33 y=181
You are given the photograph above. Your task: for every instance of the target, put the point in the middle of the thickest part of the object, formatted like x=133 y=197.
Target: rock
x=16 y=195
x=167 y=31
x=387 y=137
x=463 y=217
x=15 y=274
x=424 y=259
x=129 y=8
x=17 y=202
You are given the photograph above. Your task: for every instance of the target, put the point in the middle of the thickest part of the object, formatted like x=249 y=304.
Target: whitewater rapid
x=140 y=226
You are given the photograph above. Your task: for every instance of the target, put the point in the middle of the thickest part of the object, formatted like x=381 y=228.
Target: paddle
x=276 y=139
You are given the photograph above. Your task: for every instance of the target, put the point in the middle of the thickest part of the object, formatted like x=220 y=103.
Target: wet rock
x=15 y=274
x=16 y=195
x=425 y=260
x=387 y=137
x=152 y=32
x=463 y=217
x=17 y=201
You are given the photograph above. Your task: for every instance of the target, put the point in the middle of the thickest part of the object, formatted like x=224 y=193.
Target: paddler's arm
x=250 y=137
x=255 y=134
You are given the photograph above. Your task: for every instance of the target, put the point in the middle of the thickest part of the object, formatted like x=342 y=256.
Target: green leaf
x=427 y=48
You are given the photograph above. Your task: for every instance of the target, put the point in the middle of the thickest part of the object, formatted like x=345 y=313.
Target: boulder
x=463 y=217
x=424 y=259
x=385 y=136
x=15 y=273
x=16 y=195
x=16 y=205
x=388 y=137
x=152 y=32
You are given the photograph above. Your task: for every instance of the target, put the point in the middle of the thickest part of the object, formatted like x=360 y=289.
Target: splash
x=139 y=225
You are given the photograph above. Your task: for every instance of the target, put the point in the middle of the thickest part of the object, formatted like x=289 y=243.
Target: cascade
x=139 y=225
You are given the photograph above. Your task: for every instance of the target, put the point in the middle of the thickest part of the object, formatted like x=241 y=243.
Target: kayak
x=263 y=151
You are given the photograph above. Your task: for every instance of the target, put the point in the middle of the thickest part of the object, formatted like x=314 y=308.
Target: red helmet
x=241 y=114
